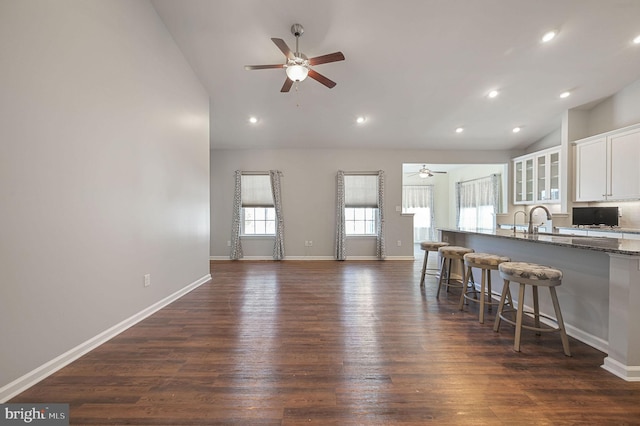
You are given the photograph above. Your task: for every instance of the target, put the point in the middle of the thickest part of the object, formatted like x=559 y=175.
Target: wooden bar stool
x=448 y=254
x=428 y=246
x=486 y=263
x=535 y=276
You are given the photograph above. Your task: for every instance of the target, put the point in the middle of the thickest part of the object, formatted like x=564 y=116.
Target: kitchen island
x=600 y=291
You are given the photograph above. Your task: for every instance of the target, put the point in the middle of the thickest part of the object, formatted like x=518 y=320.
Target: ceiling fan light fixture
x=297 y=72
x=423 y=174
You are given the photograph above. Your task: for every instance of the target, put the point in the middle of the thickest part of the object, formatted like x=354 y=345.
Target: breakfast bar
x=600 y=292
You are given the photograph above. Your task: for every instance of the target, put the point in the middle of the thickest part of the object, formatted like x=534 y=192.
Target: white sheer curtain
x=477 y=202
x=418 y=199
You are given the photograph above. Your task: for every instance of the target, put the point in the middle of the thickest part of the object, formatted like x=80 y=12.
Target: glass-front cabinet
x=537 y=177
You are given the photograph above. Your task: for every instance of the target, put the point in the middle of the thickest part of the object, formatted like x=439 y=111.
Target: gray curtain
x=278 y=247
x=341 y=237
x=380 y=250
x=236 y=245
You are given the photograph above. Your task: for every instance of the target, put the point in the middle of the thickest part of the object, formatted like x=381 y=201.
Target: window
x=258 y=221
x=478 y=203
x=418 y=199
x=360 y=220
x=258 y=212
x=361 y=204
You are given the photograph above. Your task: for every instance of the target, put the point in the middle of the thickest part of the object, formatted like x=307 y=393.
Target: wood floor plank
x=344 y=343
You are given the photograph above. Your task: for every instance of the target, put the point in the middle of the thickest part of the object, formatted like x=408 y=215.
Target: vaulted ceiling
x=416 y=70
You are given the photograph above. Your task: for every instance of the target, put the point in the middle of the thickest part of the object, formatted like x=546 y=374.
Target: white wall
x=619 y=110
x=308 y=193
x=104 y=168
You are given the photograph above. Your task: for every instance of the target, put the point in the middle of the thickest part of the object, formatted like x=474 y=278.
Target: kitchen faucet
x=530 y=229
x=514 y=218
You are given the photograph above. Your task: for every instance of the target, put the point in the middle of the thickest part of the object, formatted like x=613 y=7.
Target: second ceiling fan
x=298 y=66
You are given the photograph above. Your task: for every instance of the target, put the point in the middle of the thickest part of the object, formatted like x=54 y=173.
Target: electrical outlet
x=310 y=243
x=147 y=280
x=228 y=243
x=399 y=243
x=445 y=238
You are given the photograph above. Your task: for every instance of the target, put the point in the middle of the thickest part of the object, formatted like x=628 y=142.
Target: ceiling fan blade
x=433 y=171
x=262 y=67
x=324 y=59
x=287 y=85
x=283 y=47
x=321 y=79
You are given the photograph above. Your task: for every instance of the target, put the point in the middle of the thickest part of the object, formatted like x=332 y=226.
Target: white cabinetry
x=536 y=177
x=607 y=166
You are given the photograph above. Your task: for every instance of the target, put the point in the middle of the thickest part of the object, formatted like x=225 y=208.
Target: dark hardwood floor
x=325 y=342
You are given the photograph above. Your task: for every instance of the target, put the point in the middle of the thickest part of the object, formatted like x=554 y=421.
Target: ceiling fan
x=425 y=173
x=298 y=66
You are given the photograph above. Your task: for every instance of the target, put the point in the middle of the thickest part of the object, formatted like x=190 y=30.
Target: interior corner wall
x=615 y=112
x=309 y=196
x=104 y=173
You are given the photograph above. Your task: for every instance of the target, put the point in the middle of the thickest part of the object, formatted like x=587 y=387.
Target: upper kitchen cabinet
x=608 y=166
x=537 y=177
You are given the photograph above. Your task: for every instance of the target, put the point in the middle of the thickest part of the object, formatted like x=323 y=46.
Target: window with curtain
x=478 y=202
x=258 y=211
x=418 y=200
x=360 y=204
x=359 y=209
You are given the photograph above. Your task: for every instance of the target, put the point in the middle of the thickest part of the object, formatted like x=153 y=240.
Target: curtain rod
x=259 y=173
x=485 y=177
x=362 y=173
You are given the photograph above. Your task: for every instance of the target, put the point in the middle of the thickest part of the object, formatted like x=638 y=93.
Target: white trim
x=31 y=378
x=628 y=373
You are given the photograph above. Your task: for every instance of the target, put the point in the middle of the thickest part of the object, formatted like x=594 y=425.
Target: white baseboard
x=23 y=383
x=626 y=372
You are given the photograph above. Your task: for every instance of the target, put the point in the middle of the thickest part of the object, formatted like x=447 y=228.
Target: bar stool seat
x=536 y=276
x=428 y=246
x=448 y=254
x=486 y=262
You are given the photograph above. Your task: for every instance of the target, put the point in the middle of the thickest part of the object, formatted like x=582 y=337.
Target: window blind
x=256 y=191
x=361 y=191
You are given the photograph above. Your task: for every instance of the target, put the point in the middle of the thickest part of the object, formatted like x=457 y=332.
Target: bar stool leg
x=424 y=268
x=503 y=296
x=442 y=271
x=489 y=293
x=536 y=308
x=464 y=290
x=516 y=343
x=563 y=333
x=482 y=288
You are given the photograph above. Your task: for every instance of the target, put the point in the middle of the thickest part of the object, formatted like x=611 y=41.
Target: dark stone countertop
x=604 y=244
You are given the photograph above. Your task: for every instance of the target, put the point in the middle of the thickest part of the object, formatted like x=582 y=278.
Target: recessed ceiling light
x=637 y=40
x=460 y=130
x=360 y=120
x=253 y=120
x=565 y=94
x=549 y=36
x=492 y=94
x=516 y=129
